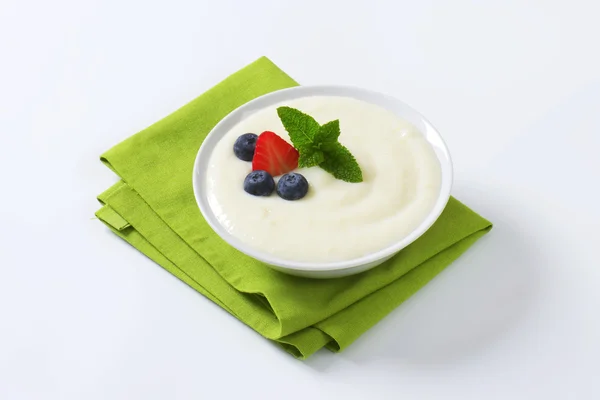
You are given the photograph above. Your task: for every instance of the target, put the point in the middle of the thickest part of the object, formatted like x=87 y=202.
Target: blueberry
x=292 y=186
x=259 y=183
x=244 y=146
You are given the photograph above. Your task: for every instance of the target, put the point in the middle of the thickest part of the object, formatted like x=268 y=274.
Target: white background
x=514 y=87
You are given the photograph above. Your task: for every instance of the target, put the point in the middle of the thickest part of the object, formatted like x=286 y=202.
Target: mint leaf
x=328 y=133
x=341 y=163
x=301 y=127
x=310 y=158
x=319 y=145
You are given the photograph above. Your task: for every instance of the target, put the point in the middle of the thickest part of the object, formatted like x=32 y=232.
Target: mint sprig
x=319 y=144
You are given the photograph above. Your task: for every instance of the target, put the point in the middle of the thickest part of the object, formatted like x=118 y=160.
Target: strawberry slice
x=274 y=155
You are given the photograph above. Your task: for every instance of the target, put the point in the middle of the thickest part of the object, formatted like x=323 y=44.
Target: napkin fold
x=153 y=208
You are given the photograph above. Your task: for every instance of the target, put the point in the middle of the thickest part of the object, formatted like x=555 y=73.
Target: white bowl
x=328 y=269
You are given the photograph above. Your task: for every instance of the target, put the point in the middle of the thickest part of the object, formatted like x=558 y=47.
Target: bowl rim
x=432 y=136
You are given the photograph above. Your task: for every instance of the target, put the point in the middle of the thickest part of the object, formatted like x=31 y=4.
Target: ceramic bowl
x=327 y=269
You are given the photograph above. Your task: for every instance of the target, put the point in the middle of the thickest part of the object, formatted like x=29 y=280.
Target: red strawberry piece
x=274 y=155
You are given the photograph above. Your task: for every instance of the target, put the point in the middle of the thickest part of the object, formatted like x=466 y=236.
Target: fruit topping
x=292 y=186
x=274 y=155
x=259 y=183
x=244 y=146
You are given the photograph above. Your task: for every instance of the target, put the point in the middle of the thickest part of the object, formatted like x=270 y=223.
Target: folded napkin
x=153 y=208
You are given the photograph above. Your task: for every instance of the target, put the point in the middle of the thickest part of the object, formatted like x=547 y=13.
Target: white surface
x=514 y=86
x=369 y=122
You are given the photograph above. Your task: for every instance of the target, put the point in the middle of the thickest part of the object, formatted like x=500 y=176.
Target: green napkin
x=153 y=208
